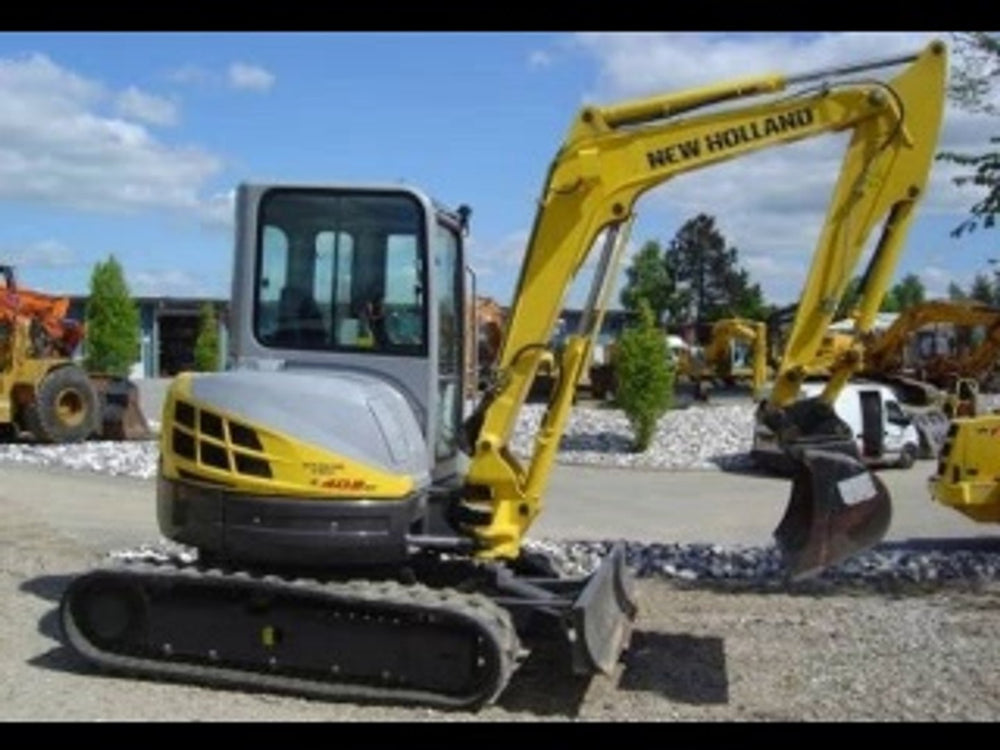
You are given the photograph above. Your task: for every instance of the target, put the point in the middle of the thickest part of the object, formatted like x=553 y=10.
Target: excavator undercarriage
x=441 y=633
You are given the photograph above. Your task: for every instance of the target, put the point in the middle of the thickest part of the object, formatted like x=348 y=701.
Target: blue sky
x=131 y=143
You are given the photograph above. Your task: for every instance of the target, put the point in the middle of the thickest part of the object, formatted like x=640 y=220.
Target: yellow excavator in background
x=832 y=346
x=967 y=477
x=933 y=390
x=885 y=355
x=736 y=350
x=346 y=547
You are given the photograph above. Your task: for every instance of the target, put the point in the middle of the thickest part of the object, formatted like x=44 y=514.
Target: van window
x=894 y=412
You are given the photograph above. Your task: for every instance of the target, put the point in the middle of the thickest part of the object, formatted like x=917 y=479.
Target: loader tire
x=65 y=409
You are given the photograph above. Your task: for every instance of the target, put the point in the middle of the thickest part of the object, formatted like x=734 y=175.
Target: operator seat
x=300 y=322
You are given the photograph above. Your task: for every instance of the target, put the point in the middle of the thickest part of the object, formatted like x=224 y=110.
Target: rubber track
x=493 y=623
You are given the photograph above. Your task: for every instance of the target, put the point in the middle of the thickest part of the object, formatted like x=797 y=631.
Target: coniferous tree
x=645 y=376
x=715 y=286
x=112 y=320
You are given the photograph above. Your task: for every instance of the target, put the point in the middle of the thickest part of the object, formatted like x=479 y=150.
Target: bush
x=645 y=377
x=112 y=339
x=206 y=347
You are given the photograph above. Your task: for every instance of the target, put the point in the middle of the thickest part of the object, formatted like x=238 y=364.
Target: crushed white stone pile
x=703 y=437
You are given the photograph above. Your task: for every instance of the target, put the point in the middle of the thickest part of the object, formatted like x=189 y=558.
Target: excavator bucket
x=122 y=417
x=837 y=509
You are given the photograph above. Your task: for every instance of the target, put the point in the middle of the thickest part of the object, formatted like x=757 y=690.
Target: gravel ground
x=902 y=634
x=697 y=654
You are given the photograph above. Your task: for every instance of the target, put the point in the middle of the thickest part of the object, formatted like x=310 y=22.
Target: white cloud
x=40 y=254
x=170 y=283
x=504 y=254
x=936 y=281
x=249 y=77
x=58 y=146
x=146 y=107
x=539 y=59
x=188 y=74
x=239 y=75
x=218 y=210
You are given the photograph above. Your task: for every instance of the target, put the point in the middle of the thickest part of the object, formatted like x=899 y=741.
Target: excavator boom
x=609 y=158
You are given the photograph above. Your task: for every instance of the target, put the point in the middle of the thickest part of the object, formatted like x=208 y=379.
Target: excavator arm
x=886 y=353
x=611 y=156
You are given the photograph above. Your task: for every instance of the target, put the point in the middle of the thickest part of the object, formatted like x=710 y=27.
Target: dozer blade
x=837 y=509
x=602 y=616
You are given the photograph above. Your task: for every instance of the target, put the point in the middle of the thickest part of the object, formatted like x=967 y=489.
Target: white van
x=884 y=433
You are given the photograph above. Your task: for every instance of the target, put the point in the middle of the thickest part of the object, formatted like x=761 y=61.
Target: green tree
x=983 y=290
x=976 y=67
x=206 y=346
x=955 y=292
x=648 y=278
x=645 y=376
x=890 y=302
x=715 y=286
x=112 y=319
x=908 y=292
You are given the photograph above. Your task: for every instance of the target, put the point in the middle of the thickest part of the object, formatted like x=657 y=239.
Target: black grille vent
x=211 y=424
x=256 y=467
x=244 y=437
x=206 y=442
x=214 y=455
x=183 y=445
x=184 y=414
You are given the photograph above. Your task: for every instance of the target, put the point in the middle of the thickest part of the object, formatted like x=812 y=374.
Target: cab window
x=341 y=271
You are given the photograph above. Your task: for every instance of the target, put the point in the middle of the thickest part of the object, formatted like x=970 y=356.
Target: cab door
x=448 y=271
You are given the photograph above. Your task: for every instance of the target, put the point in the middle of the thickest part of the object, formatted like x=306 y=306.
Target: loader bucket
x=121 y=414
x=837 y=509
x=602 y=616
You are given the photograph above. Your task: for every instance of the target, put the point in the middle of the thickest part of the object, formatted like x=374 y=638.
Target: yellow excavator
x=967 y=477
x=360 y=538
x=736 y=350
x=884 y=356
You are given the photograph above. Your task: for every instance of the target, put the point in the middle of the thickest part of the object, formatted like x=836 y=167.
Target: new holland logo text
x=730 y=137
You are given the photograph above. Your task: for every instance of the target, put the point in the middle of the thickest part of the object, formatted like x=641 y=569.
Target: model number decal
x=322 y=468
x=346 y=483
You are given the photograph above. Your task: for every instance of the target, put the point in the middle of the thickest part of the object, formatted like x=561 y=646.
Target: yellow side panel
x=219 y=447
